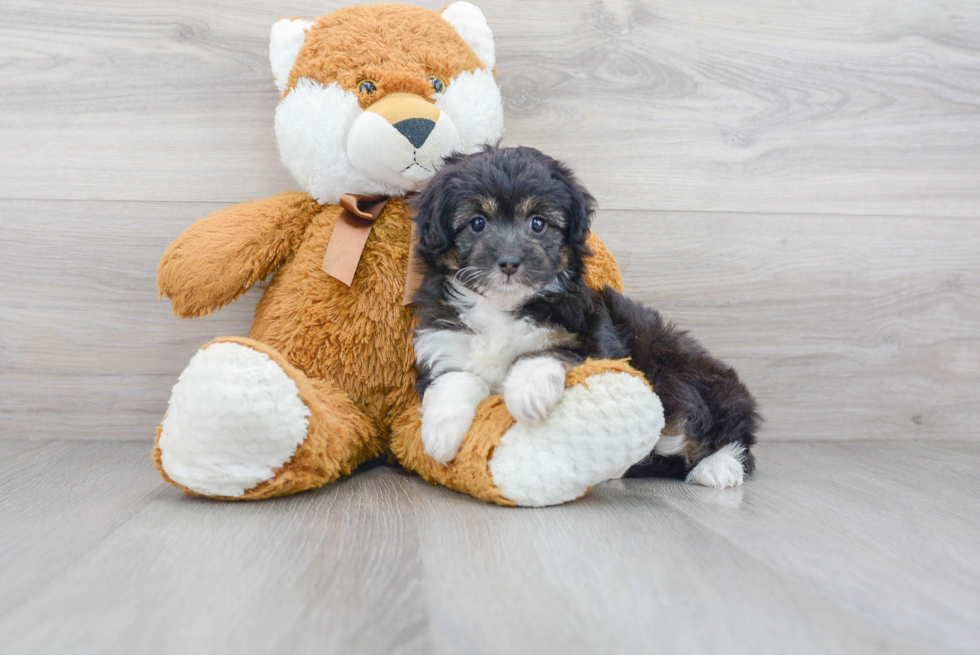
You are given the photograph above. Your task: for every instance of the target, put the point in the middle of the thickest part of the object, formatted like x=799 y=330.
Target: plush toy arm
x=221 y=256
x=601 y=269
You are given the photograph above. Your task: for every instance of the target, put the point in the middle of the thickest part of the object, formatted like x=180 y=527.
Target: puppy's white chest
x=493 y=340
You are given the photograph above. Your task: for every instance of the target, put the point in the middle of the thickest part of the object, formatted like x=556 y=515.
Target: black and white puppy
x=503 y=308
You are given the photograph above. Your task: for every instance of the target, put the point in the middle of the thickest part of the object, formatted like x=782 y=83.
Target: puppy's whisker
x=468 y=275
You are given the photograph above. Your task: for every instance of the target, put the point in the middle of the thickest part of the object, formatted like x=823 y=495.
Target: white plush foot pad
x=721 y=469
x=592 y=435
x=234 y=417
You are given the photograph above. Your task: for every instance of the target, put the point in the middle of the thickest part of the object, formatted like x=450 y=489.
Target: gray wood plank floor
x=831 y=548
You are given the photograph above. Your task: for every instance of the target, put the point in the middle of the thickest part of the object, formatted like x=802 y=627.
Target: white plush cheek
x=472 y=100
x=312 y=124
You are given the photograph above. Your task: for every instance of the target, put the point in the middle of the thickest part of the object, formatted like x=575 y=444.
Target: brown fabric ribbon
x=350 y=234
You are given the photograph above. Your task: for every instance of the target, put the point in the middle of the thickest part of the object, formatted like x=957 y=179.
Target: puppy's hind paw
x=533 y=386
x=721 y=469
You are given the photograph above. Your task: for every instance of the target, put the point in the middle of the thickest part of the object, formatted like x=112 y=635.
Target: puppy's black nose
x=509 y=265
x=416 y=130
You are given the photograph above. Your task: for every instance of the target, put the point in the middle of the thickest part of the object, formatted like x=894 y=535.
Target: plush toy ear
x=285 y=43
x=471 y=24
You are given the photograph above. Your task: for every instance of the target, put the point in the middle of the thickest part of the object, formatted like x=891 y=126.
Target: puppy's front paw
x=448 y=408
x=533 y=386
x=442 y=435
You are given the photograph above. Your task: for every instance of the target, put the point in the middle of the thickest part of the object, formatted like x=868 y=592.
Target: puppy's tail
x=659 y=466
x=698 y=391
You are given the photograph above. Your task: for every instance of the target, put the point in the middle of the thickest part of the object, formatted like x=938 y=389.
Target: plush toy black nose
x=416 y=130
x=509 y=265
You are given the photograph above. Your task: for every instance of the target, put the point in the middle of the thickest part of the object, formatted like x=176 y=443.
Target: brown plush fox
x=372 y=99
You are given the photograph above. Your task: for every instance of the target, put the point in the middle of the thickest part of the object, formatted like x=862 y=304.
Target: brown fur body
x=356 y=336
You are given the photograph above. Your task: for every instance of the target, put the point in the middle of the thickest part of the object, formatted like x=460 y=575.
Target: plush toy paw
x=234 y=417
x=448 y=408
x=533 y=386
x=595 y=433
x=721 y=469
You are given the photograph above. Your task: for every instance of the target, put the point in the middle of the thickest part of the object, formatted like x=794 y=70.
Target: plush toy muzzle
x=401 y=140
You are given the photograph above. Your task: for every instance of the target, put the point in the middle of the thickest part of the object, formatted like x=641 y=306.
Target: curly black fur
x=703 y=398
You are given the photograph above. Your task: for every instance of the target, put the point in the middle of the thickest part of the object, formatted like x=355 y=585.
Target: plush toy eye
x=367 y=86
x=478 y=224
x=538 y=224
x=437 y=84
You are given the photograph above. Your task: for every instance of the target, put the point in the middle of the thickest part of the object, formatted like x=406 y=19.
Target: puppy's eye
x=437 y=84
x=538 y=224
x=367 y=86
x=478 y=224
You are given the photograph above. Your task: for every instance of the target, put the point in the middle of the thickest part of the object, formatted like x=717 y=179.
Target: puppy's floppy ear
x=431 y=215
x=581 y=205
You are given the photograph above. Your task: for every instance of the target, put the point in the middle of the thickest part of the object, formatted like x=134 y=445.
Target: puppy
x=503 y=308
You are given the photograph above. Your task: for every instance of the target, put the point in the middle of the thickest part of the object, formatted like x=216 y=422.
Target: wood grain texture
x=845 y=327
x=337 y=570
x=904 y=515
x=830 y=548
x=56 y=501
x=856 y=107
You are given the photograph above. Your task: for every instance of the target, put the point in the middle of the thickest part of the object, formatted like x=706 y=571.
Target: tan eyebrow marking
x=527 y=207
x=488 y=204
x=485 y=205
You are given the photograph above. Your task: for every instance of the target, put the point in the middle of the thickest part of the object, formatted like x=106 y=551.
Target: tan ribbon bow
x=351 y=233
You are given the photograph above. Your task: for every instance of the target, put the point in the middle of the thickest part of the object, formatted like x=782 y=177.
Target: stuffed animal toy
x=372 y=99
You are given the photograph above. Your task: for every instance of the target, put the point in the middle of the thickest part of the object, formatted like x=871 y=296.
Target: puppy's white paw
x=533 y=386
x=443 y=435
x=448 y=408
x=721 y=469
